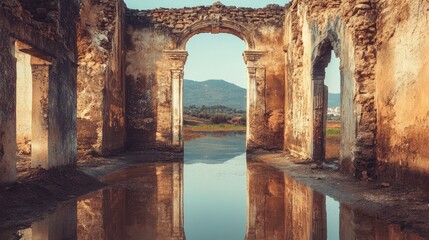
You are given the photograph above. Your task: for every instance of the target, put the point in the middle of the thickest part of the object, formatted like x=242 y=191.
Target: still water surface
x=215 y=194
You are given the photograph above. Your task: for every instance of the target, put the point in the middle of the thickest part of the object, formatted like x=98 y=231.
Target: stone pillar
x=7 y=108
x=256 y=91
x=40 y=121
x=177 y=60
x=178 y=217
x=325 y=119
x=318 y=117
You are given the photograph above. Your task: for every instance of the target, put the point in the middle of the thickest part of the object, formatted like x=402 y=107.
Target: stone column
x=40 y=120
x=7 y=108
x=177 y=60
x=318 y=117
x=256 y=104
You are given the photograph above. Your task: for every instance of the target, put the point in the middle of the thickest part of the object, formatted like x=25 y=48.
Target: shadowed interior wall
x=52 y=38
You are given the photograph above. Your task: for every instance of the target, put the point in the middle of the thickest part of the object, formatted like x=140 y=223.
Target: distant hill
x=334 y=100
x=219 y=92
x=214 y=92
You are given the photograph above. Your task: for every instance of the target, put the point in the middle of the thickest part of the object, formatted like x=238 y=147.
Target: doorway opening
x=215 y=83
x=333 y=114
x=32 y=116
x=327 y=105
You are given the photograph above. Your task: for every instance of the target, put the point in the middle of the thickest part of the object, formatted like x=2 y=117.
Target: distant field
x=214 y=127
x=197 y=131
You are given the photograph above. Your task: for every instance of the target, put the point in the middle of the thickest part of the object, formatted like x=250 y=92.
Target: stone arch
x=215 y=26
x=321 y=56
x=256 y=92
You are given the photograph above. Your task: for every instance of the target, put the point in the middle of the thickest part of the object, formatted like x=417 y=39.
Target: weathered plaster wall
x=402 y=74
x=313 y=28
x=24 y=101
x=53 y=40
x=150 y=86
x=101 y=79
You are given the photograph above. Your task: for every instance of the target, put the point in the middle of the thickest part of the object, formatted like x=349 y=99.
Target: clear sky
x=219 y=56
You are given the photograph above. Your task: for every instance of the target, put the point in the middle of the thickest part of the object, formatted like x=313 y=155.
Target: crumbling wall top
x=185 y=22
x=179 y=19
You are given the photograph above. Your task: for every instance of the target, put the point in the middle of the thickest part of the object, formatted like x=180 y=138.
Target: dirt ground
x=39 y=191
x=333 y=141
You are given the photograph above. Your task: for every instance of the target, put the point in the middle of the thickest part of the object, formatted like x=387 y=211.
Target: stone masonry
x=113 y=79
x=155 y=89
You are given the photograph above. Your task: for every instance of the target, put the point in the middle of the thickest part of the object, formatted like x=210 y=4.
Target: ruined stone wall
x=314 y=28
x=55 y=43
x=101 y=86
x=156 y=56
x=402 y=74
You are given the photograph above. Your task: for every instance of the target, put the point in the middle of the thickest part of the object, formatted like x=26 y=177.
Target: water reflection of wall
x=358 y=225
x=265 y=209
x=59 y=225
x=149 y=207
x=281 y=208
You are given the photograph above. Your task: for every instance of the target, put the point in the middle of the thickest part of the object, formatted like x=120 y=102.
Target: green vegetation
x=333 y=132
x=215 y=127
x=214 y=115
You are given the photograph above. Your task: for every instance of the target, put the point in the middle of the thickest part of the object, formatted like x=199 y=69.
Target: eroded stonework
x=155 y=89
x=116 y=75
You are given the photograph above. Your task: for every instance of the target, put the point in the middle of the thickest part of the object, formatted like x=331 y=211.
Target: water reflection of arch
x=216 y=26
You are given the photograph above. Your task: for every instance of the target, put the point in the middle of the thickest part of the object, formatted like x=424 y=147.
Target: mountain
x=218 y=92
x=334 y=100
x=214 y=92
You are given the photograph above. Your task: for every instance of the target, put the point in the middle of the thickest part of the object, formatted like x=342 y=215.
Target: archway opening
x=333 y=114
x=327 y=104
x=215 y=83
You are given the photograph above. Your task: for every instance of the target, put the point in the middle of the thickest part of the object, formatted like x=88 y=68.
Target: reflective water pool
x=215 y=193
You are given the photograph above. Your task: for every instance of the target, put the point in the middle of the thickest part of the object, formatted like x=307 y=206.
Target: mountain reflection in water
x=197 y=200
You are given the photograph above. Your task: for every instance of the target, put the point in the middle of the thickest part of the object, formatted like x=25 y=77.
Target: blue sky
x=219 y=56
